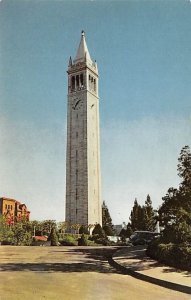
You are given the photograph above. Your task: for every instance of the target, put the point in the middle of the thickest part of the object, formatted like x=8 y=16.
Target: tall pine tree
x=149 y=215
x=137 y=217
x=106 y=220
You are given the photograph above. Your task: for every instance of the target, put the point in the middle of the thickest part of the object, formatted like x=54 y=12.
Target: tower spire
x=82 y=52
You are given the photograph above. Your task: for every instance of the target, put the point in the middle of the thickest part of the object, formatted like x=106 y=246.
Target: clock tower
x=83 y=198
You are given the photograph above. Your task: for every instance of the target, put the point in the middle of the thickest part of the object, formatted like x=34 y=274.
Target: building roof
x=82 y=52
x=40 y=238
x=7 y=199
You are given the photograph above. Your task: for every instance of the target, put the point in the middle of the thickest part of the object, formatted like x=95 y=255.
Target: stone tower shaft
x=83 y=190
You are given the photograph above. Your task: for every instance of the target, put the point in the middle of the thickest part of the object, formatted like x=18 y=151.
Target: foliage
x=53 y=237
x=136 y=216
x=47 y=226
x=107 y=221
x=149 y=216
x=83 y=229
x=62 y=226
x=142 y=217
x=174 y=255
x=175 y=212
x=6 y=233
x=126 y=233
x=98 y=231
x=174 y=246
x=129 y=230
x=82 y=241
x=69 y=240
x=108 y=230
x=76 y=227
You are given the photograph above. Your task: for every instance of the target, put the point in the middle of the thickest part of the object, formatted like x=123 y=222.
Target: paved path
x=70 y=273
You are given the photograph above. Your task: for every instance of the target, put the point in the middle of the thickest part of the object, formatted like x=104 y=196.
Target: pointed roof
x=82 y=52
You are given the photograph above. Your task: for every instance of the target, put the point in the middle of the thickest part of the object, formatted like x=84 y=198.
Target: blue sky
x=143 y=51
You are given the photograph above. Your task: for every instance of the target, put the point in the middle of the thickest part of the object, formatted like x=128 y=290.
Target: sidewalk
x=133 y=259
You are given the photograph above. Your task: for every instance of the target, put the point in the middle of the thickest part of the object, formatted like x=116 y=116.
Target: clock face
x=77 y=103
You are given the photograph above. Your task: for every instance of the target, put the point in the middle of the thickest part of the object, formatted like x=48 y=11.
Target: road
x=69 y=273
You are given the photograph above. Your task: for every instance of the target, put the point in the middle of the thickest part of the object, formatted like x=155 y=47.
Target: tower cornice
x=80 y=67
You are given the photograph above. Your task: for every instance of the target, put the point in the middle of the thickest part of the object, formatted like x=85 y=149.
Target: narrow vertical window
x=73 y=82
x=94 y=85
x=81 y=80
x=89 y=82
x=77 y=81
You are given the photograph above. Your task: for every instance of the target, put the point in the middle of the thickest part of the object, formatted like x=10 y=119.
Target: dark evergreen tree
x=149 y=215
x=83 y=229
x=122 y=232
x=129 y=230
x=137 y=217
x=98 y=231
x=106 y=220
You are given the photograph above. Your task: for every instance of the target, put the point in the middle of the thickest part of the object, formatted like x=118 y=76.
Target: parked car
x=142 y=237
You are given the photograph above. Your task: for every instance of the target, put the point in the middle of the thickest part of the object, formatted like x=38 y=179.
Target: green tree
x=137 y=217
x=6 y=232
x=175 y=212
x=98 y=231
x=129 y=230
x=184 y=169
x=107 y=221
x=149 y=215
x=83 y=229
x=53 y=237
x=46 y=226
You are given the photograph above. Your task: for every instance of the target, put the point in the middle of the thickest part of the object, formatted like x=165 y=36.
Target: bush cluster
x=174 y=255
x=69 y=240
x=82 y=241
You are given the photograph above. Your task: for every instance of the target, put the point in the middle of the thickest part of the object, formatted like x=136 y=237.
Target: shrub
x=68 y=240
x=174 y=255
x=83 y=229
x=53 y=237
x=98 y=231
x=82 y=241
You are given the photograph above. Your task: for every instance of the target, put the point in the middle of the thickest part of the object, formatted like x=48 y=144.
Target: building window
x=77 y=134
x=5 y=206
